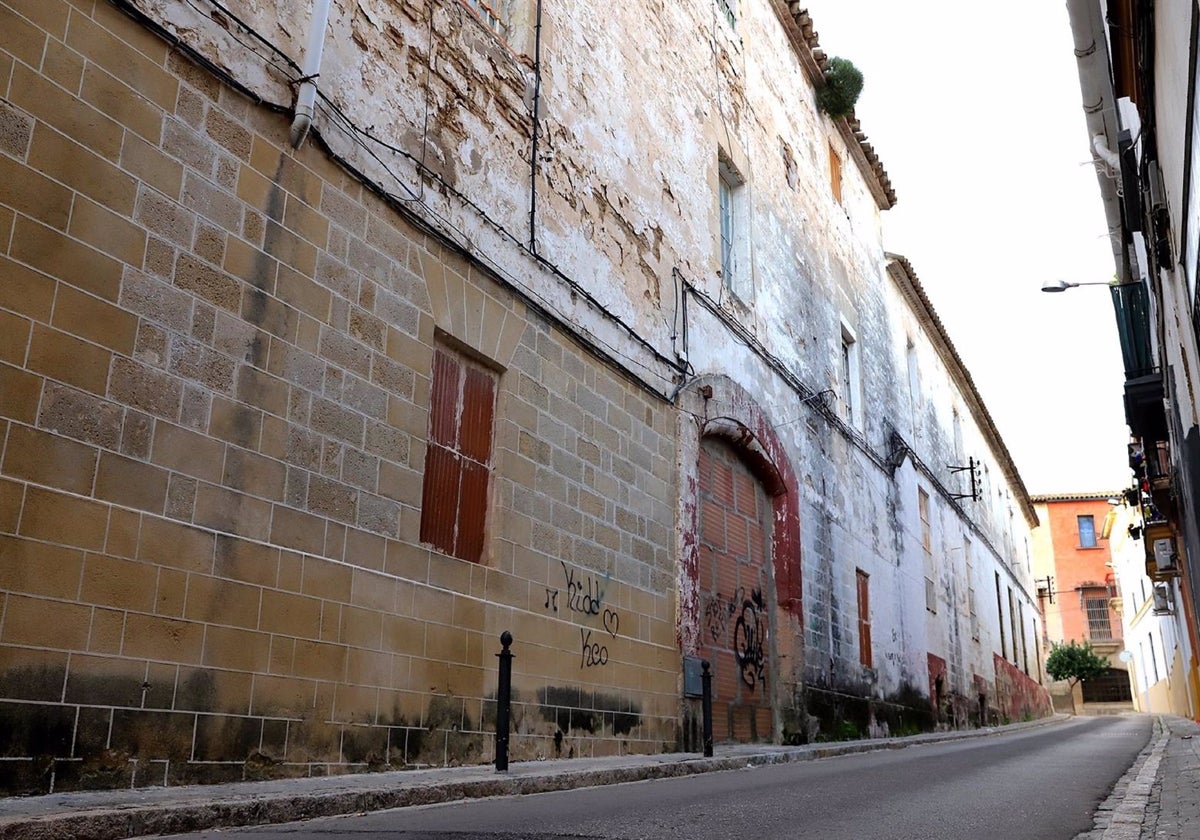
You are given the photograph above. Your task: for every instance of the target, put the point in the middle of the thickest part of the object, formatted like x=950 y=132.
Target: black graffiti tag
x=718 y=612
x=750 y=639
x=584 y=594
x=591 y=653
x=716 y=618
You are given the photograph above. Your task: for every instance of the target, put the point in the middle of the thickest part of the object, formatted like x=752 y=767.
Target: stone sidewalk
x=1172 y=806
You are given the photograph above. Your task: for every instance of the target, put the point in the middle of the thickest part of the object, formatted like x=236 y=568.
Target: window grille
x=1099 y=623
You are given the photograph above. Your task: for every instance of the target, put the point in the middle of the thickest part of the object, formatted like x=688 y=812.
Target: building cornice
x=798 y=25
x=905 y=278
x=1048 y=498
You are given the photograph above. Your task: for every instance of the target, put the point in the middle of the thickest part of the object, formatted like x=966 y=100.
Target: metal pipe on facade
x=1099 y=108
x=537 y=96
x=306 y=99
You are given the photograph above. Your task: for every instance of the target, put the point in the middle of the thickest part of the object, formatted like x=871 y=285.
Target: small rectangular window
x=489 y=13
x=926 y=530
x=458 y=458
x=835 y=174
x=729 y=9
x=1000 y=612
x=726 y=202
x=732 y=203
x=1087 y=531
x=1024 y=641
x=971 y=611
x=930 y=595
x=914 y=376
x=864 y=618
x=849 y=376
x=1012 y=621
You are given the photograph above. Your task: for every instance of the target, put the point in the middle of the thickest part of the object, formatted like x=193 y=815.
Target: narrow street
x=1039 y=784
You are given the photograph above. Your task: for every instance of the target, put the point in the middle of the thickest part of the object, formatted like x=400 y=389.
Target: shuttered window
x=864 y=618
x=458 y=459
x=835 y=174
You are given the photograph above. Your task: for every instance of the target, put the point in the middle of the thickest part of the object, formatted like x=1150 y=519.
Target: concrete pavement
x=1158 y=795
x=1173 y=807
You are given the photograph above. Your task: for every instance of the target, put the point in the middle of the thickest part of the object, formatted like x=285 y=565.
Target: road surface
x=1036 y=784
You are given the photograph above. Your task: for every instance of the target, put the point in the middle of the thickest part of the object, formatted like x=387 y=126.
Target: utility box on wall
x=693 y=683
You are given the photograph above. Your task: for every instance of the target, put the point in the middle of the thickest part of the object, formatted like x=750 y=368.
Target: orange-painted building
x=1072 y=563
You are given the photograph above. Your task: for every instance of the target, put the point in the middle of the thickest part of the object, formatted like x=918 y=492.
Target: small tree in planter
x=1074 y=663
x=843 y=84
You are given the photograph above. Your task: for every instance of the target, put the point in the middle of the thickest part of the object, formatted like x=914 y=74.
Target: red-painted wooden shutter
x=458 y=458
x=864 y=618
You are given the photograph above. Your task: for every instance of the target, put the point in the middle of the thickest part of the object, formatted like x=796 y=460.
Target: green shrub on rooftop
x=843 y=84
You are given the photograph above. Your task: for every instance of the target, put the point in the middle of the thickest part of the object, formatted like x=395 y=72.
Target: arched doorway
x=737 y=592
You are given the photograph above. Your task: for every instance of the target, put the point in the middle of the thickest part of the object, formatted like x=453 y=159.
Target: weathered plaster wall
x=268 y=308
x=214 y=401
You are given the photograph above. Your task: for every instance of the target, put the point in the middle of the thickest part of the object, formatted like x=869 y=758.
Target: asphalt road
x=1039 y=784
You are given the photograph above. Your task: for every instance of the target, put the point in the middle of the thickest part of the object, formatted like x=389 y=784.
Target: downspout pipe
x=1100 y=113
x=306 y=99
x=1110 y=158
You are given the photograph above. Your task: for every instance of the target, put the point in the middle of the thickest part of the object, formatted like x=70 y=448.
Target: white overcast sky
x=977 y=119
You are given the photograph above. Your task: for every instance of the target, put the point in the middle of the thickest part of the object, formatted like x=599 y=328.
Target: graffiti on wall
x=750 y=640
x=584 y=596
x=748 y=616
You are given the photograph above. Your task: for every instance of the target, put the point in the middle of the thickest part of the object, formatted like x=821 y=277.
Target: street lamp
x=1063 y=285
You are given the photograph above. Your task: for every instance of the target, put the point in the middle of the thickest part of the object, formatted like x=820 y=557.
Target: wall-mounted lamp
x=1063 y=285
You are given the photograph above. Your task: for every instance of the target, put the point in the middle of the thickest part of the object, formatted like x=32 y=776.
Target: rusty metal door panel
x=439 y=498
x=735 y=590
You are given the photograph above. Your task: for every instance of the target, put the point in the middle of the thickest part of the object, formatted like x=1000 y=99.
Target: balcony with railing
x=1143 y=381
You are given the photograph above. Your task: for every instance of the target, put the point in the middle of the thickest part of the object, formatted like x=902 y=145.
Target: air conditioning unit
x=1164 y=554
x=1163 y=599
x=1162 y=561
x=1158 y=200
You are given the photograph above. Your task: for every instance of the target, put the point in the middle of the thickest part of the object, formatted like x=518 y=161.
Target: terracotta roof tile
x=816 y=62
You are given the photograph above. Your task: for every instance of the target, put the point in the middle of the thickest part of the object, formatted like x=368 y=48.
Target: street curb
x=1122 y=815
x=125 y=820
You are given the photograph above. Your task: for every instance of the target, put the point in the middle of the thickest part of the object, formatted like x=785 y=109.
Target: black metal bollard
x=503 y=701
x=706 y=706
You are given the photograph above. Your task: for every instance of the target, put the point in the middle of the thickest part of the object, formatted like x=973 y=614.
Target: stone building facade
x=539 y=329
x=1075 y=559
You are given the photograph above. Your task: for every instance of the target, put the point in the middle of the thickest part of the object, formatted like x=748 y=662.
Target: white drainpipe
x=1100 y=144
x=1099 y=108
x=306 y=100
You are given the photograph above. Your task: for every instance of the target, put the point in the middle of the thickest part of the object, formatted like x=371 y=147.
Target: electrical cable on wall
x=436 y=224
x=359 y=136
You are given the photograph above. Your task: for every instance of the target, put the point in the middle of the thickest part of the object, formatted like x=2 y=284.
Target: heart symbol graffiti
x=612 y=622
